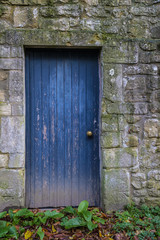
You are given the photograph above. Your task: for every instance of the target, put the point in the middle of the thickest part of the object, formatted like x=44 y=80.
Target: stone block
x=17 y=110
x=144 y=69
x=120 y=158
x=11 y=63
x=90 y=24
x=11 y=188
x=136 y=95
x=116 y=188
x=131 y=141
x=124 y=2
x=4 y=51
x=138 y=28
x=127 y=108
x=16 y=52
x=140 y=193
x=120 y=52
x=152 y=128
x=155 y=58
x=110 y=123
x=153 y=83
x=3 y=95
x=16 y=161
x=145 y=57
x=12 y=135
x=138 y=180
x=152 y=201
x=155 y=107
x=3 y=160
x=134 y=83
x=16 y=86
x=148 y=46
x=62 y=24
x=155 y=32
x=26 y=17
x=154 y=174
x=5 y=109
x=92 y=2
x=112 y=82
x=110 y=140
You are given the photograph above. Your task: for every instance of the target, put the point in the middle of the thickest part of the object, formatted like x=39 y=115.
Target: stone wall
x=128 y=35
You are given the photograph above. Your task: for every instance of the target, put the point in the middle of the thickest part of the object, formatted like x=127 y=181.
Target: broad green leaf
x=40 y=233
x=91 y=225
x=43 y=219
x=25 y=213
x=4 y=231
x=83 y=206
x=87 y=216
x=69 y=209
x=3 y=214
x=39 y=214
x=99 y=220
x=3 y=224
x=75 y=222
x=53 y=214
x=13 y=232
x=11 y=214
x=64 y=221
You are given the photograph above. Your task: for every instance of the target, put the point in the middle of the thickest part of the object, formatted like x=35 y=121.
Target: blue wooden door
x=62 y=102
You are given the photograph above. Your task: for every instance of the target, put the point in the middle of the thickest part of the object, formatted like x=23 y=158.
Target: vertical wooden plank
x=68 y=129
x=45 y=129
x=82 y=127
x=75 y=128
x=60 y=128
x=53 y=132
x=37 y=128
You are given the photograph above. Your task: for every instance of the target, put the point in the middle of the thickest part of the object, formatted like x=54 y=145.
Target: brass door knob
x=89 y=134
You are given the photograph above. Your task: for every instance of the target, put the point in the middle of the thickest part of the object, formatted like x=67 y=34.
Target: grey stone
x=155 y=32
x=4 y=51
x=140 y=193
x=112 y=83
x=144 y=69
x=120 y=157
x=16 y=52
x=11 y=63
x=152 y=128
x=25 y=17
x=11 y=187
x=5 y=109
x=3 y=160
x=116 y=189
x=134 y=82
x=110 y=140
x=110 y=123
x=121 y=52
x=154 y=174
x=16 y=161
x=148 y=46
x=12 y=135
x=17 y=110
x=16 y=86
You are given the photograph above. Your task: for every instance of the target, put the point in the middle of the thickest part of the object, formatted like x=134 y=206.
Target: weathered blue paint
x=62 y=102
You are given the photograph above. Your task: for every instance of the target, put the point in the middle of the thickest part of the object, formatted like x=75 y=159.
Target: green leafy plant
x=83 y=217
x=143 y=222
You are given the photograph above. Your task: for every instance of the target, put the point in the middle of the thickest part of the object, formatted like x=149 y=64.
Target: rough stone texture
x=16 y=161
x=12 y=135
x=11 y=188
x=120 y=158
x=3 y=160
x=116 y=189
x=128 y=36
